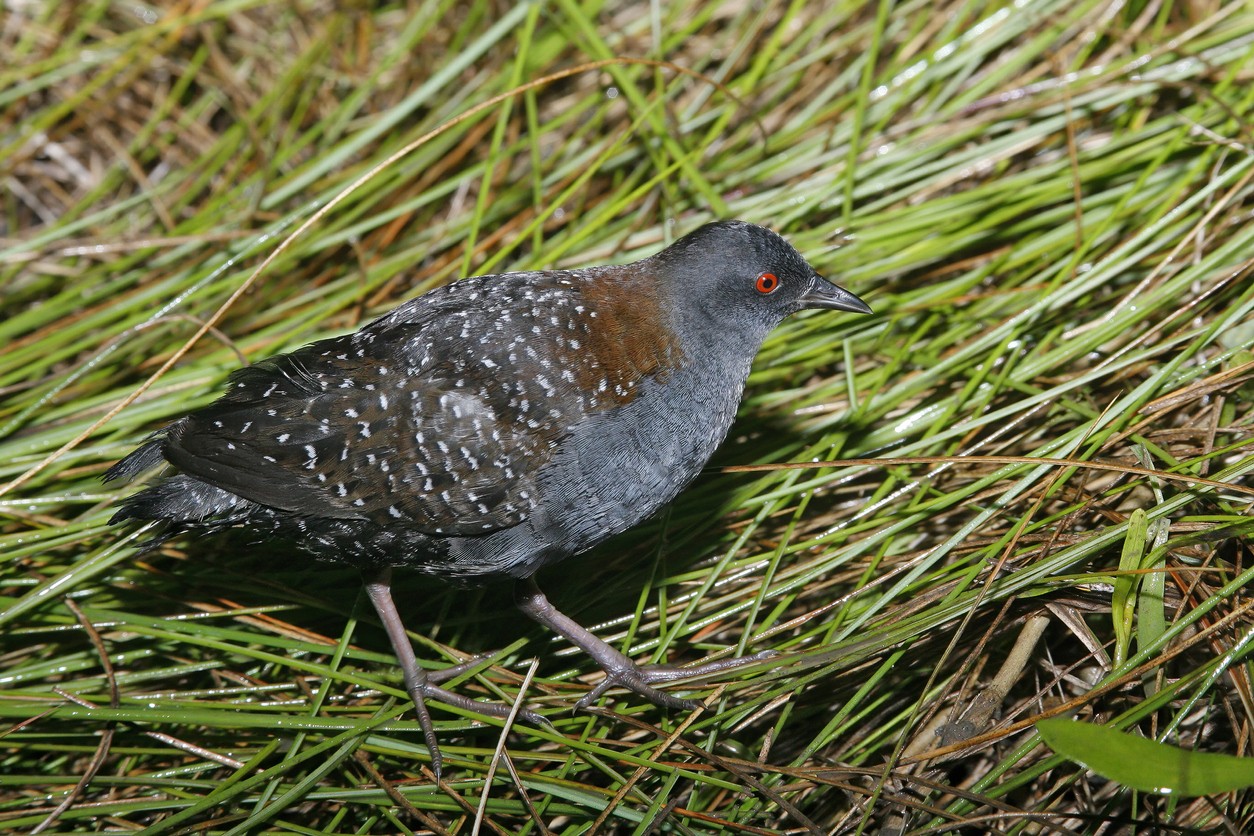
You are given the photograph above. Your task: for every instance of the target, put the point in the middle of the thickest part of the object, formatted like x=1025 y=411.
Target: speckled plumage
x=494 y=425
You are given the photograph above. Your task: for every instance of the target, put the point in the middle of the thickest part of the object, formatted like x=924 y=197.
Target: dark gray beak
x=823 y=294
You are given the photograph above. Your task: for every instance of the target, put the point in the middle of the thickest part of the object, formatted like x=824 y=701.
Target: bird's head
x=745 y=279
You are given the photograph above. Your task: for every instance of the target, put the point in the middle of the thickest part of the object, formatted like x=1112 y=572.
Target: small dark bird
x=490 y=428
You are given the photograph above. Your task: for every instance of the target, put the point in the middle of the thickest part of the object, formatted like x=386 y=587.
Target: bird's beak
x=823 y=294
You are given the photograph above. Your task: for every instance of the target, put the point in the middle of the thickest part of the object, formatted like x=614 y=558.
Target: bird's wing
x=345 y=429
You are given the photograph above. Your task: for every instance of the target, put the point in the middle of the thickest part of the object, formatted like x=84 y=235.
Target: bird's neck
x=641 y=329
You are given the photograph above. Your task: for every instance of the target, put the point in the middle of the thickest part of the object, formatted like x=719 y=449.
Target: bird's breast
x=618 y=467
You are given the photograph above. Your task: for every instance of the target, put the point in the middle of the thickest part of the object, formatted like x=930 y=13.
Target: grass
x=1049 y=206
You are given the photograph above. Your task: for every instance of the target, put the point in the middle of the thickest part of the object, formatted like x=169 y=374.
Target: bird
x=489 y=428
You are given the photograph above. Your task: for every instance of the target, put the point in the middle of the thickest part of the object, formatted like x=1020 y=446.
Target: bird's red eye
x=767 y=283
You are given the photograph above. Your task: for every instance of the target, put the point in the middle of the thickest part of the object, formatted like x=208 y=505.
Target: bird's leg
x=619 y=670
x=379 y=588
x=417 y=683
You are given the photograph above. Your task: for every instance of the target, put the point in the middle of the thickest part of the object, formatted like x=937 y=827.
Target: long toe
x=665 y=673
x=491 y=709
x=639 y=680
x=454 y=671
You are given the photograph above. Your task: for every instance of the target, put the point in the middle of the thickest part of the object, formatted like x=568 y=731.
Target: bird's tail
x=179 y=500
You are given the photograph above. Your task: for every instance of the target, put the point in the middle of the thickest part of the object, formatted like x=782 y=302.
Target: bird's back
x=484 y=429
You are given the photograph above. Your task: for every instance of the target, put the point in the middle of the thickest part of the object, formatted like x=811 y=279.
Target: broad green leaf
x=1143 y=764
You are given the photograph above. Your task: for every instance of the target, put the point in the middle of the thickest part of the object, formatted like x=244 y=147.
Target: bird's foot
x=422 y=690
x=419 y=684
x=619 y=670
x=640 y=679
x=429 y=691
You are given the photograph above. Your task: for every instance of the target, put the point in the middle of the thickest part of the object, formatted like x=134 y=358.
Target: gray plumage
x=493 y=425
